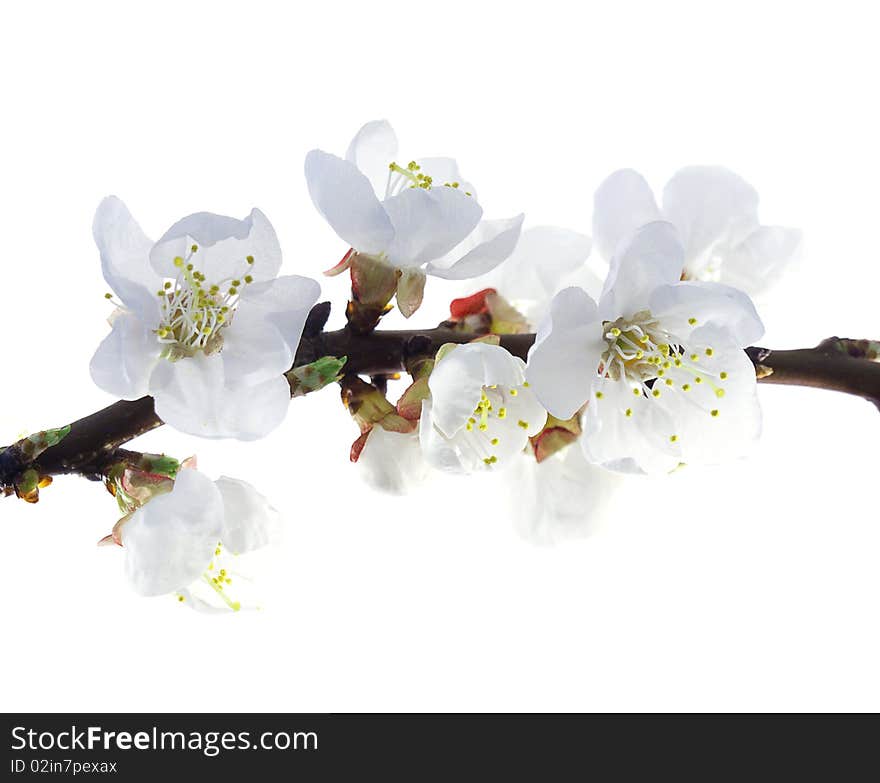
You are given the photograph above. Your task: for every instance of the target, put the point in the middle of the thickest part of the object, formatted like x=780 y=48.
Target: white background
x=753 y=586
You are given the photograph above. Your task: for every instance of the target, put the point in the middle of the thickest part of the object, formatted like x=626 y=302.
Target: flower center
x=652 y=362
x=194 y=311
x=400 y=178
x=495 y=420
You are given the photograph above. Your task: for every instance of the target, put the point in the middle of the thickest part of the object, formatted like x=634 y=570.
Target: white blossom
x=560 y=498
x=481 y=411
x=185 y=542
x=392 y=462
x=716 y=215
x=418 y=216
x=203 y=322
x=658 y=362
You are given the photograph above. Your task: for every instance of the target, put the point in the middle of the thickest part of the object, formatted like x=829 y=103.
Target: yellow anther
x=673 y=438
x=250 y=259
x=599 y=395
x=248 y=279
x=180 y=598
x=723 y=376
x=719 y=393
x=698 y=379
x=714 y=411
x=637 y=392
x=615 y=331
x=523 y=424
x=692 y=321
x=694 y=357
x=669 y=381
x=108 y=296
x=513 y=392
x=629 y=411
x=685 y=387
x=655 y=393
x=178 y=262
x=502 y=413
x=526 y=384
x=194 y=248
x=494 y=441
x=709 y=352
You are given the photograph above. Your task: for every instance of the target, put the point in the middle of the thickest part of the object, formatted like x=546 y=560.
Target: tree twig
x=93 y=444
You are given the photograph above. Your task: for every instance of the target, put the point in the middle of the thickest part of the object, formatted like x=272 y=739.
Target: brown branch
x=93 y=442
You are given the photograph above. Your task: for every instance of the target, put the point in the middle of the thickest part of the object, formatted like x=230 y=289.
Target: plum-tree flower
x=203 y=322
x=481 y=411
x=716 y=214
x=417 y=217
x=560 y=498
x=658 y=362
x=392 y=462
x=183 y=541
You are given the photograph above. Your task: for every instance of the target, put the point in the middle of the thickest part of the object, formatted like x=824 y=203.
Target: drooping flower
x=481 y=411
x=184 y=541
x=658 y=362
x=392 y=462
x=559 y=498
x=417 y=217
x=203 y=322
x=716 y=215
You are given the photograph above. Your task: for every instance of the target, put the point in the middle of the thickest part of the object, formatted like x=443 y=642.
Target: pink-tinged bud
x=475 y=304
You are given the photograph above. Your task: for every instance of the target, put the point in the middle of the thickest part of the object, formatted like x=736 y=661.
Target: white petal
x=169 y=542
x=439 y=451
x=371 y=150
x=561 y=498
x=254 y=349
x=623 y=430
x=125 y=358
x=712 y=208
x=250 y=522
x=392 y=462
x=651 y=257
x=683 y=307
x=482 y=250
x=457 y=381
x=564 y=360
x=705 y=437
x=757 y=263
x=546 y=260
x=623 y=203
x=192 y=396
x=285 y=302
x=224 y=244
x=429 y=223
x=346 y=200
x=125 y=259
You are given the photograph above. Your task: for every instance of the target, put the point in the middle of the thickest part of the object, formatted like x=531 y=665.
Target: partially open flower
x=715 y=213
x=185 y=541
x=481 y=412
x=417 y=216
x=202 y=323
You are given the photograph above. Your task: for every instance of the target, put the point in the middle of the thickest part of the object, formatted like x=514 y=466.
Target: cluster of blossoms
x=637 y=363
